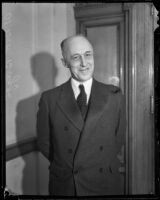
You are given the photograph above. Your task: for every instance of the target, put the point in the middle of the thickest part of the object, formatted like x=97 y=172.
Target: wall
x=33 y=64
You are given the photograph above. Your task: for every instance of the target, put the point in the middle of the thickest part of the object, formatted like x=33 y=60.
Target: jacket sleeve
x=43 y=128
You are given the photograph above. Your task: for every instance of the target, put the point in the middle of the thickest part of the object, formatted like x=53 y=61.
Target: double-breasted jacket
x=83 y=155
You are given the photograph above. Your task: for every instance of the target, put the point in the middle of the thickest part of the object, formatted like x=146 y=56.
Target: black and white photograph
x=80 y=100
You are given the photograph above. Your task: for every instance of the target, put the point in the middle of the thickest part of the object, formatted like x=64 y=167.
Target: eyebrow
x=80 y=54
x=88 y=52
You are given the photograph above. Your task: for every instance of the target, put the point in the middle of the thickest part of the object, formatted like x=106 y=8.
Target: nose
x=83 y=61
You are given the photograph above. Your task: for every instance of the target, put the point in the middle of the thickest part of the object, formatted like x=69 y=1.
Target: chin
x=85 y=79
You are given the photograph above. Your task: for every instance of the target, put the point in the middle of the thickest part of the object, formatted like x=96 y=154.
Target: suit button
x=75 y=171
x=100 y=170
x=101 y=148
x=70 y=151
x=66 y=128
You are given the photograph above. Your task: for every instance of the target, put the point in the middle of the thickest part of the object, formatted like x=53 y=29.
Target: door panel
x=105 y=44
x=107 y=37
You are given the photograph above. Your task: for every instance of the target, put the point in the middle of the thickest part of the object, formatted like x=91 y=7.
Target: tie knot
x=81 y=87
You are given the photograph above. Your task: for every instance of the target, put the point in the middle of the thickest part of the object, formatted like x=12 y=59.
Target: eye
x=75 y=57
x=88 y=54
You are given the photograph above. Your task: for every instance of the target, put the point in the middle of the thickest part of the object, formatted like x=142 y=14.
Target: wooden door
x=107 y=37
x=122 y=41
x=109 y=61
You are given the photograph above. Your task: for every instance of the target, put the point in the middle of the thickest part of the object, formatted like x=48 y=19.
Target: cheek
x=74 y=65
x=92 y=63
x=74 y=69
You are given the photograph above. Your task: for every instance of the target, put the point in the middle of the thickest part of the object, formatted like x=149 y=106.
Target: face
x=78 y=57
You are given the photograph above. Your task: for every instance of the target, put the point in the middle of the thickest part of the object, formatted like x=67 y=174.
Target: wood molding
x=131 y=60
x=98 y=10
x=157 y=93
x=141 y=129
x=20 y=148
x=2 y=136
x=109 y=1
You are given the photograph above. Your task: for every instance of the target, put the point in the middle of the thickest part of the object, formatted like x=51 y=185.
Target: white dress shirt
x=87 y=86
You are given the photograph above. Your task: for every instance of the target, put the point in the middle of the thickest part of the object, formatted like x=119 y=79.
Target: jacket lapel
x=98 y=102
x=69 y=106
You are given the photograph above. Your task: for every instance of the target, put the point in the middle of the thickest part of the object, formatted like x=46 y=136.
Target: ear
x=64 y=62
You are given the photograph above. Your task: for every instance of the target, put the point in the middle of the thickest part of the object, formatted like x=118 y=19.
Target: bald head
x=65 y=44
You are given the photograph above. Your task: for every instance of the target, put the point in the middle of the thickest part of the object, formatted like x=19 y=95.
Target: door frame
x=85 y=15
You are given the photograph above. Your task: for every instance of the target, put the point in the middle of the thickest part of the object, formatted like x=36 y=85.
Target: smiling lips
x=84 y=70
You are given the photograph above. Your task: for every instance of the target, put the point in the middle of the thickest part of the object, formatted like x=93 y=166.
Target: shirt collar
x=87 y=85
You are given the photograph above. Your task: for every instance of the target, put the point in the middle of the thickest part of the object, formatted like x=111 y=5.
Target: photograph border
x=4 y=193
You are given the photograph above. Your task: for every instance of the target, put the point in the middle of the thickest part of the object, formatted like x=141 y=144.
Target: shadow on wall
x=44 y=71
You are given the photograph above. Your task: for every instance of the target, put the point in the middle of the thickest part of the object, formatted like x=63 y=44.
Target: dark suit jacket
x=83 y=155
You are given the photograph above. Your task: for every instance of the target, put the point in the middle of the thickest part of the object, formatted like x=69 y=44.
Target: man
x=81 y=130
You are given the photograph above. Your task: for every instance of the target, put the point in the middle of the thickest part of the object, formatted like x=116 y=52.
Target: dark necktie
x=82 y=100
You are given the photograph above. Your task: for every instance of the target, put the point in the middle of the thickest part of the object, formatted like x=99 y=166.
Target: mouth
x=84 y=70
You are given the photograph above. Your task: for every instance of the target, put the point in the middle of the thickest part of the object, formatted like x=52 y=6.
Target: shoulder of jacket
x=52 y=92
x=110 y=88
x=114 y=89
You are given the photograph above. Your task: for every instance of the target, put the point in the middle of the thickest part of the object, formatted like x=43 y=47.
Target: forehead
x=78 y=45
